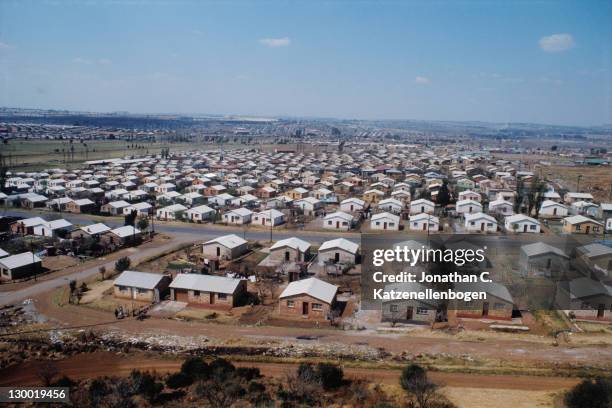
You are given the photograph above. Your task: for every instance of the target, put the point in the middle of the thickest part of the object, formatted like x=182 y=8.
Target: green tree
x=122 y=264
x=590 y=393
x=414 y=380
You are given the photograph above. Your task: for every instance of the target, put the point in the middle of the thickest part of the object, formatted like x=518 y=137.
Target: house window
x=377 y=223
x=472 y=222
x=196 y=293
x=291 y=303
x=317 y=306
x=489 y=224
x=222 y=296
x=421 y=311
x=392 y=224
x=499 y=306
x=344 y=223
x=141 y=291
x=394 y=308
x=329 y=222
x=533 y=227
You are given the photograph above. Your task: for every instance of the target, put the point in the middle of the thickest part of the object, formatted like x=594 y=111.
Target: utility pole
x=578 y=183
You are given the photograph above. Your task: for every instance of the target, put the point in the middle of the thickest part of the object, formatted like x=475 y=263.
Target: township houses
x=199 y=213
x=385 y=221
x=221 y=200
x=171 y=212
x=142 y=209
x=114 y=207
x=338 y=220
x=55 y=229
x=542 y=259
x=19 y=266
x=585 y=208
x=238 y=216
x=391 y=205
x=579 y=224
x=468 y=207
x=352 y=204
x=401 y=195
x=226 y=247
x=141 y=286
x=469 y=195
x=498 y=304
x=338 y=250
x=290 y=250
x=84 y=205
x=422 y=206
x=122 y=236
x=373 y=196
x=26 y=226
x=501 y=206
x=412 y=311
x=424 y=222
x=310 y=298
x=521 y=223
x=91 y=231
x=480 y=222
x=572 y=197
x=595 y=259
x=209 y=291
x=269 y=217
x=552 y=209
x=585 y=299
x=297 y=193
x=309 y=205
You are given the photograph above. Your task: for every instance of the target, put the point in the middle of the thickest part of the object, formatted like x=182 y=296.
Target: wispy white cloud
x=276 y=42
x=422 y=80
x=557 y=42
x=5 y=46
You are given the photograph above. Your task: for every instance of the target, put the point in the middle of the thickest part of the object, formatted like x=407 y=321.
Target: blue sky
x=543 y=62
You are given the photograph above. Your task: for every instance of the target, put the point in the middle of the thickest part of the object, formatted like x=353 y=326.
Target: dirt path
x=514 y=351
x=92 y=365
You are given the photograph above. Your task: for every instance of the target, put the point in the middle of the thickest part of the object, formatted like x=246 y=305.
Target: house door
x=588 y=228
x=304 y=308
x=337 y=257
x=482 y=226
x=600 y=310
x=409 y=312
x=424 y=227
x=422 y=209
x=263 y=221
x=524 y=228
x=351 y=208
x=218 y=251
x=211 y=298
x=554 y=211
x=287 y=256
x=337 y=224
x=385 y=225
x=485 y=309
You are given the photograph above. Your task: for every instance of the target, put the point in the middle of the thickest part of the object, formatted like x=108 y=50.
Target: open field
x=596 y=180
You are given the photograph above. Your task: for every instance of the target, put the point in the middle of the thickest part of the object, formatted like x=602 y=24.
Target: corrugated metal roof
x=205 y=283
x=15 y=261
x=314 y=287
x=136 y=279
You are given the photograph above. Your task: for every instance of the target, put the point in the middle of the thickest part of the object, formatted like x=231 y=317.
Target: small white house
x=238 y=216
x=309 y=205
x=522 y=223
x=422 y=206
x=468 y=207
x=269 y=217
x=352 y=204
x=385 y=221
x=199 y=213
x=391 y=205
x=480 y=222
x=171 y=212
x=338 y=220
x=552 y=209
x=501 y=206
x=470 y=195
x=424 y=222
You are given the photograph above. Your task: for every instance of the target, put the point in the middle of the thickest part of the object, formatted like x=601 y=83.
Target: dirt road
x=92 y=365
x=505 y=350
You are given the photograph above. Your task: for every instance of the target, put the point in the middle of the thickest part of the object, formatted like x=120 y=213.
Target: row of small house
x=309 y=298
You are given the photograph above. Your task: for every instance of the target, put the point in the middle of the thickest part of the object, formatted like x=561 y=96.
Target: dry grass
x=596 y=180
x=479 y=398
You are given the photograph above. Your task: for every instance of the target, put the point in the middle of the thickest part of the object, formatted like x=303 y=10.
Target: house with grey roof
x=585 y=299
x=542 y=259
x=141 y=286
x=19 y=266
x=208 y=290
